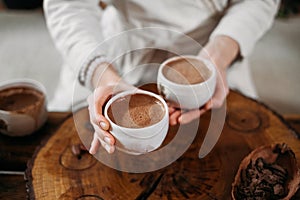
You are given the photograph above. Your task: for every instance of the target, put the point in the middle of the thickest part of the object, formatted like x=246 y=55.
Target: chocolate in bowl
x=20 y=100
x=22 y=107
x=268 y=172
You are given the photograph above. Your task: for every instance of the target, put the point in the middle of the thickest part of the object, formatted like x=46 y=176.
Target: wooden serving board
x=55 y=173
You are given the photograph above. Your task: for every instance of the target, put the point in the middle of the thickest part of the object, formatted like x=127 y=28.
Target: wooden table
x=16 y=152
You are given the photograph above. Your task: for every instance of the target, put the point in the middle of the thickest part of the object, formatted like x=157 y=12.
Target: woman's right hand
x=107 y=83
x=101 y=125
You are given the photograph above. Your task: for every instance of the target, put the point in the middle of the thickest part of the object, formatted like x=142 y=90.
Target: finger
x=94 y=145
x=173 y=119
x=101 y=95
x=103 y=123
x=171 y=110
x=220 y=94
x=104 y=135
x=100 y=98
x=216 y=102
x=190 y=116
x=95 y=116
x=109 y=148
x=91 y=109
x=208 y=105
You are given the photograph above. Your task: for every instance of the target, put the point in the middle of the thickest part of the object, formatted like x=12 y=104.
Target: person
x=228 y=29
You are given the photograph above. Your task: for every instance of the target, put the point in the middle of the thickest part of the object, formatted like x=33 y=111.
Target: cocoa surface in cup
x=186 y=71
x=136 y=111
x=21 y=100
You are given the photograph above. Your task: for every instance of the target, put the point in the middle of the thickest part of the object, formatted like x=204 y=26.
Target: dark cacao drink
x=186 y=71
x=136 y=111
x=20 y=99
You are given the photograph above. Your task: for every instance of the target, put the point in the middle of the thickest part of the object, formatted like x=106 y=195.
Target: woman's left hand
x=217 y=100
x=221 y=51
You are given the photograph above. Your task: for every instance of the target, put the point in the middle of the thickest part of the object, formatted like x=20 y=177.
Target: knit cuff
x=87 y=70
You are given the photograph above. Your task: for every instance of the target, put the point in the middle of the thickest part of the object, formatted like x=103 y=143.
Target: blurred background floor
x=26 y=50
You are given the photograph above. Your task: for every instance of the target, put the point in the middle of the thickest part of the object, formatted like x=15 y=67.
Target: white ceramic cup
x=138 y=141
x=187 y=96
x=21 y=123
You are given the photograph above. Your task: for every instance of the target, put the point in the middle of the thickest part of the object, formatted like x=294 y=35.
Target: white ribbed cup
x=21 y=124
x=187 y=96
x=137 y=141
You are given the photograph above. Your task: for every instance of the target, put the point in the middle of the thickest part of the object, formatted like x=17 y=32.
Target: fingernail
x=180 y=119
x=103 y=125
x=112 y=149
x=107 y=148
x=107 y=140
x=91 y=151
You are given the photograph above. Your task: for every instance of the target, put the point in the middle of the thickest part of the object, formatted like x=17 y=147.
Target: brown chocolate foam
x=186 y=71
x=21 y=100
x=136 y=111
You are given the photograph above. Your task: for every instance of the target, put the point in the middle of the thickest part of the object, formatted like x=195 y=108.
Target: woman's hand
x=101 y=125
x=221 y=51
x=221 y=91
x=107 y=83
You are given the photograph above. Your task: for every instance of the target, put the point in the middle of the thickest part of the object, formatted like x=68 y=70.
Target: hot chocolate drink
x=22 y=107
x=136 y=111
x=186 y=71
x=20 y=100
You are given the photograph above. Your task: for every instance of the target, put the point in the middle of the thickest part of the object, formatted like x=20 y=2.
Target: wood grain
x=55 y=173
x=12 y=187
x=16 y=151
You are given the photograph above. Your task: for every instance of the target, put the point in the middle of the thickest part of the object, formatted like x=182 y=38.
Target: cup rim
x=207 y=63
x=30 y=83
x=26 y=82
x=135 y=91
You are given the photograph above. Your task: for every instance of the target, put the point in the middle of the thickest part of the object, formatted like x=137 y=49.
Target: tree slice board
x=56 y=173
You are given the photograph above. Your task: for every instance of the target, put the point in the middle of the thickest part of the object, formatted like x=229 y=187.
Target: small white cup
x=21 y=123
x=138 y=141
x=187 y=96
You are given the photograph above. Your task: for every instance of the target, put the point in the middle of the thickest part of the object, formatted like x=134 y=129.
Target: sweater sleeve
x=75 y=28
x=246 y=21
